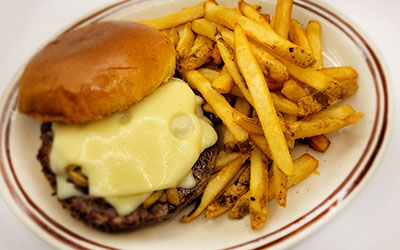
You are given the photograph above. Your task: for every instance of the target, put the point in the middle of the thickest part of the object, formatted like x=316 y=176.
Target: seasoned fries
x=216 y=56
x=313 y=32
x=176 y=19
x=174 y=36
x=199 y=54
x=241 y=207
x=279 y=185
x=263 y=34
x=185 y=42
x=217 y=102
x=173 y=196
x=319 y=143
x=341 y=73
x=258 y=190
x=223 y=158
x=216 y=185
x=270 y=66
x=210 y=74
x=309 y=76
x=282 y=17
x=235 y=57
x=223 y=83
x=153 y=198
x=263 y=103
x=293 y=91
x=251 y=13
x=234 y=191
x=231 y=65
x=284 y=105
x=298 y=36
x=303 y=167
x=251 y=125
x=205 y=28
x=303 y=129
x=331 y=96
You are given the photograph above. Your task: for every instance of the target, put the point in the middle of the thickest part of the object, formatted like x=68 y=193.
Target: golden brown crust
x=95 y=71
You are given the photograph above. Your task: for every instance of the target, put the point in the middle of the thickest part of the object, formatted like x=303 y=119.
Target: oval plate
x=352 y=158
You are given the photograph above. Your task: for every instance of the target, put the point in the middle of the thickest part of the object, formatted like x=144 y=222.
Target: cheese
x=150 y=146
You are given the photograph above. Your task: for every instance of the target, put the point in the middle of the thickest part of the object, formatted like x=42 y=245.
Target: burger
x=119 y=132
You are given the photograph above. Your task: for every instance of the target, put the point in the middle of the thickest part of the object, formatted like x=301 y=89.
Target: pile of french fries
x=264 y=78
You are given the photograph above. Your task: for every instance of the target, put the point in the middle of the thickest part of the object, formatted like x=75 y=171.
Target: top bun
x=94 y=71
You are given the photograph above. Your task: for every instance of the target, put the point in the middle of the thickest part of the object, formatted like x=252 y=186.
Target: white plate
x=348 y=164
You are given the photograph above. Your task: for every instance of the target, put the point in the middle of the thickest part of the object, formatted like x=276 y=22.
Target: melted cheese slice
x=151 y=146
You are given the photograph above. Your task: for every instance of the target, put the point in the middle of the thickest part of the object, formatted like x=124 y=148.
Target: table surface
x=370 y=221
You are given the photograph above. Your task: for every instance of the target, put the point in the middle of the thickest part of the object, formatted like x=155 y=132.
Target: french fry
x=319 y=143
x=251 y=125
x=229 y=197
x=221 y=107
x=230 y=143
x=290 y=141
x=230 y=62
x=262 y=143
x=272 y=22
x=270 y=66
x=76 y=176
x=223 y=158
x=216 y=56
x=303 y=167
x=236 y=92
x=205 y=28
x=258 y=190
x=340 y=73
x=173 y=196
x=293 y=91
x=185 y=42
x=163 y=198
x=224 y=82
x=309 y=76
x=241 y=207
x=210 y=74
x=289 y=118
x=340 y=112
x=208 y=108
x=298 y=36
x=279 y=185
x=331 y=96
x=266 y=17
x=263 y=103
x=200 y=53
x=177 y=18
x=263 y=34
x=303 y=129
x=283 y=12
x=313 y=32
x=243 y=106
x=153 y=198
x=174 y=36
x=216 y=185
x=284 y=105
x=251 y=13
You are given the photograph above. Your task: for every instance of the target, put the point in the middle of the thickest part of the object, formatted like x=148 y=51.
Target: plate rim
x=8 y=105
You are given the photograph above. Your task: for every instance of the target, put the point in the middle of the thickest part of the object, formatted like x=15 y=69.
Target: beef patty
x=99 y=214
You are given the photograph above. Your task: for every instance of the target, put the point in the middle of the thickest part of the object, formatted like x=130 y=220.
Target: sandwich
x=124 y=143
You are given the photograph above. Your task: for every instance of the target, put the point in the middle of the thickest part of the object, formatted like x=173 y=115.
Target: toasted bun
x=94 y=71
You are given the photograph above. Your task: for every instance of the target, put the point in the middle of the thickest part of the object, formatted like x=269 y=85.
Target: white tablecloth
x=371 y=221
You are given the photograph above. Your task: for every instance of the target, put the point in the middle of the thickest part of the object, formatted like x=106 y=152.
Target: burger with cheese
x=119 y=132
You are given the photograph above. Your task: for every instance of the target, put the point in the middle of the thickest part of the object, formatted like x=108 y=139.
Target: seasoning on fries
x=263 y=76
